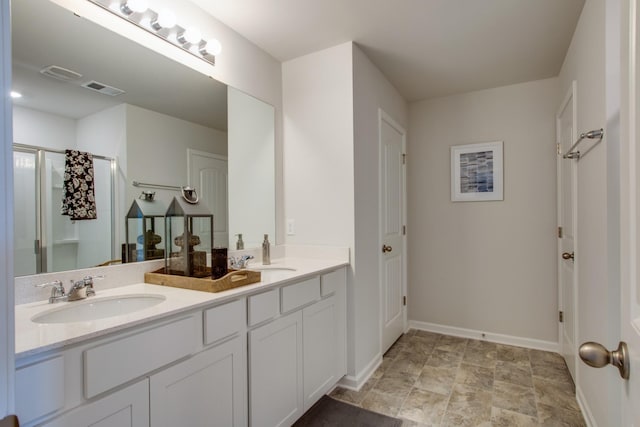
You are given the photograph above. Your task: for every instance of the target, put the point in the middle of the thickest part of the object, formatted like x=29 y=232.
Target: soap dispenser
x=239 y=243
x=266 y=250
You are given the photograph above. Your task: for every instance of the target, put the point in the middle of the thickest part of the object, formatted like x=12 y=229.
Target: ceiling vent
x=60 y=73
x=103 y=88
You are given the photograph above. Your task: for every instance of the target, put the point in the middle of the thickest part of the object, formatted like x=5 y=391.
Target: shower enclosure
x=45 y=240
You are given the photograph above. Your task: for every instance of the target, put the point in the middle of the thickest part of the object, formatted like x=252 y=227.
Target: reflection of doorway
x=208 y=174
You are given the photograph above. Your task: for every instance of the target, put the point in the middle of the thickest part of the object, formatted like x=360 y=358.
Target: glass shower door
x=44 y=239
x=25 y=246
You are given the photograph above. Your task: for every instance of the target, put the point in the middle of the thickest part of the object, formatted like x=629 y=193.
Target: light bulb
x=131 y=6
x=166 y=18
x=191 y=35
x=15 y=94
x=213 y=47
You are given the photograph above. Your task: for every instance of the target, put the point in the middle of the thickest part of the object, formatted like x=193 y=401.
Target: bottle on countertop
x=266 y=250
x=239 y=243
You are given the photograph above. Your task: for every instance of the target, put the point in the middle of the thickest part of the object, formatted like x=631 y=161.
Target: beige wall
x=485 y=267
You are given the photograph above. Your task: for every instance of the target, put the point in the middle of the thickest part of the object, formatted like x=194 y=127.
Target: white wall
x=331 y=100
x=485 y=266
x=33 y=127
x=152 y=139
x=103 y=133
x=371 y=91
x=318 y=147
x=598 y=304
x=318 y=158
x=251 y=169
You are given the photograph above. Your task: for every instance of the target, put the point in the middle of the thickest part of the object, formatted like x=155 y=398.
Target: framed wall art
x=476 y=172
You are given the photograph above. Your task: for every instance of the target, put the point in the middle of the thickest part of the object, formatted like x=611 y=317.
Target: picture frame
x=477 y=172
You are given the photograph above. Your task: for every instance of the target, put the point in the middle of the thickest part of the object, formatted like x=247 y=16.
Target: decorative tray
x=233 y=279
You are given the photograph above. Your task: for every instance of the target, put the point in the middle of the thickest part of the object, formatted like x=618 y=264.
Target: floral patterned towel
x=79 y=200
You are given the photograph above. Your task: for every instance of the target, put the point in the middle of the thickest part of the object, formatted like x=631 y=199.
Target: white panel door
x=392 y=220
x=630 y=209
x=567 y=221
x=208 y=174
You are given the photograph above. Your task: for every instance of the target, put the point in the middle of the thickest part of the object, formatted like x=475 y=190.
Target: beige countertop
x=33 y=338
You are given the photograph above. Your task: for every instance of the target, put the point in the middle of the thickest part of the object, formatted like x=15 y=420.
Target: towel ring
x=189 y=194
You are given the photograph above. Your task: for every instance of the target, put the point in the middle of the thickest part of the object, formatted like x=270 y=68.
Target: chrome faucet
x=240 y=263
x=83 y=288
x=80 y=289
x=57 y=291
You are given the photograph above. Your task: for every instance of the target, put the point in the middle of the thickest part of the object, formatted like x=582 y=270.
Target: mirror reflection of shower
x=45 y=240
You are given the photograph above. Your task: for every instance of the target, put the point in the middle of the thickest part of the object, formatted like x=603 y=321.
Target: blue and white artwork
x=476 y=172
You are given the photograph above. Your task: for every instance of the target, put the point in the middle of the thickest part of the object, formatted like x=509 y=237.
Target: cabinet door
x=125 y=408
x=275 y=372
x=208 y=389
x=320 y=331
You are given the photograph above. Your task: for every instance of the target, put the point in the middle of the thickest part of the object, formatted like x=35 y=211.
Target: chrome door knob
x=567 y=255
x=386 y=249
x=597 y=356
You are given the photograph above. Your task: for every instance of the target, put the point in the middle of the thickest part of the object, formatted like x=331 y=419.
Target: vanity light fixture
x=130 y=6
x=165 y=19
x=190 y=36
x=212 y=47
x=163 y=24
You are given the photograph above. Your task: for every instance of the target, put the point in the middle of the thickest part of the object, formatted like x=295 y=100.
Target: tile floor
x=428 y=379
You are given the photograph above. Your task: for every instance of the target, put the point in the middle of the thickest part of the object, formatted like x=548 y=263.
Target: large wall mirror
x=146 y=119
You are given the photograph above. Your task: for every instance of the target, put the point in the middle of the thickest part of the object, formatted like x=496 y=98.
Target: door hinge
x=560 y=316
x=404 y=300
x=559 y=232
x=558 y=148
x=404 y=159
x=404 y=230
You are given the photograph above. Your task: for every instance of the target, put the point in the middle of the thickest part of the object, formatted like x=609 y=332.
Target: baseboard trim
x=487 y=336
x=584 y=408
x=356 y=382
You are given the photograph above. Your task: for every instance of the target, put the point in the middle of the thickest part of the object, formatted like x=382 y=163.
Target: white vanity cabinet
x=275 y=372
x=184 y=369
x=205 y=390
x=209 y=389
x=262 y=358
x=299 y=356
x=128 y=407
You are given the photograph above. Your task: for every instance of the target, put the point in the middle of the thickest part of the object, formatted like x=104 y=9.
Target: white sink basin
x=273 y=273
x=98 y=308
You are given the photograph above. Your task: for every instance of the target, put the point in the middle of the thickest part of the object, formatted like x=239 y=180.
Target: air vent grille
x=60 y=73
x=103 y=88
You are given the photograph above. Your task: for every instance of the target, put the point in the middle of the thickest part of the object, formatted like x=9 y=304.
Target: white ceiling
x=426 y=48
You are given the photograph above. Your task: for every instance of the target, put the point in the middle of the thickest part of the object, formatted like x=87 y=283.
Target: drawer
x=111 y=364
x=40 y=389
x=294 y=296
x=263 y=306
x=224 y=320
x=331 y=282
